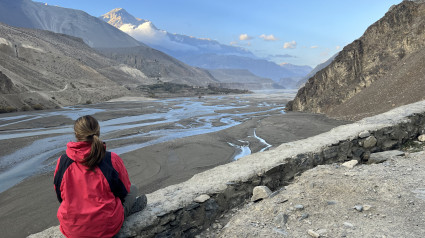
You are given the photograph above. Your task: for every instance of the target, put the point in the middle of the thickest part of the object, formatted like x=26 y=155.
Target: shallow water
x=159 y=120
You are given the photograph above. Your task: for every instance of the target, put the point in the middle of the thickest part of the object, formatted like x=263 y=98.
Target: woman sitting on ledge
x=92 y=186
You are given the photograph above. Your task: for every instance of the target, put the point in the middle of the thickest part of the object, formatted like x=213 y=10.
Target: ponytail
x=87 y=128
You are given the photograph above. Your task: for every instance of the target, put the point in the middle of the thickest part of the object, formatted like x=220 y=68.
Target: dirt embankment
x=377 y=200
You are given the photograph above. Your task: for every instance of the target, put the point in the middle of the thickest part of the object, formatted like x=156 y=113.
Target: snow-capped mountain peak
x=119 y=16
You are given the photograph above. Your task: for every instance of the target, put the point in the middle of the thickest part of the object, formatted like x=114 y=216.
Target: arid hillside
x=380 y=70
x=42 y=69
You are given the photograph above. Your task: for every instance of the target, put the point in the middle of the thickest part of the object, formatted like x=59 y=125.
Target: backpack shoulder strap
x=64 y=163
x=112 y=176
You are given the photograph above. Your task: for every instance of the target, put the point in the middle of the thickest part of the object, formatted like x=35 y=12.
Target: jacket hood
x=77 y=151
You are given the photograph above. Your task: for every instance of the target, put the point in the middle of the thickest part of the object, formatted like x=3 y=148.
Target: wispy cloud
x=314 y=47
x=338 y=47
x=245 y=37
x=233 y=43
x=290 y=45
x=268 y=37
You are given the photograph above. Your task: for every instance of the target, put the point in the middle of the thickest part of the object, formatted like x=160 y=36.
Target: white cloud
x=245 y=37
x=290 y=45
x=338 y=47
x=268 y=37
x=234 y=43
x=314 y=47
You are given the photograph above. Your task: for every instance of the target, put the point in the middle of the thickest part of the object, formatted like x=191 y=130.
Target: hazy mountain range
x=204 y=53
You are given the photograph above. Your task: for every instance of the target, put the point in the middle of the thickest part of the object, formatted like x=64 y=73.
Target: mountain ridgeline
x=382 y=69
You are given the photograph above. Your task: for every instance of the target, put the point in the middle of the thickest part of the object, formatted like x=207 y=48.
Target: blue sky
x=302 y=32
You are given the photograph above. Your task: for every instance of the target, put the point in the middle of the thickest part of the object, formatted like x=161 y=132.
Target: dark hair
x=87 y=128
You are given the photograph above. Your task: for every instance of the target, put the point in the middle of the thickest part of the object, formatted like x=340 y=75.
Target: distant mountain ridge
x=94 y=32
x=382 y=69
x=241 y=79
x=204 y=53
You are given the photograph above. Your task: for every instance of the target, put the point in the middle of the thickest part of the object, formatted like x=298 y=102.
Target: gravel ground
x=377 y=200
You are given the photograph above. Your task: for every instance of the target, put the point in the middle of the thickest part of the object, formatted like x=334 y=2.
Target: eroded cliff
x=371 y=58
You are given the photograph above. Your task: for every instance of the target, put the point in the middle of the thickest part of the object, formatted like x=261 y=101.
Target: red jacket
x=91 y=201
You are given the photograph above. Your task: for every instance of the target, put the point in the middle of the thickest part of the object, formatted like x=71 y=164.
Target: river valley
x=162 y=142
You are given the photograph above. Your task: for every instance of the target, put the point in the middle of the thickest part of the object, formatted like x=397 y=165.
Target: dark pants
x=129 y=200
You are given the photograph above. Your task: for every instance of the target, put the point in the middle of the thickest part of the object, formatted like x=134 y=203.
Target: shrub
x=5 y=109
x=25 y=108
x=37 y=107
x=88 y=102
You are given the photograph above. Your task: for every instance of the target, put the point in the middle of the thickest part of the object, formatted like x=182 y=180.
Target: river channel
x=32 y=141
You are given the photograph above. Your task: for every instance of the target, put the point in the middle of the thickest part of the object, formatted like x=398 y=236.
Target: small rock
x=313 y=234
x=322 y=232
x=358 y=208
x=347 y=224
x=369 y=142
x=217 y=226
x=367 y=207
x=303 y=216
x=388 y=144
x=364 y=134
x=260 y=192
x=331 y=202
x=350 y=164
x=421 y=138
x=299 y=207
x=202 y=198
x=281 y=219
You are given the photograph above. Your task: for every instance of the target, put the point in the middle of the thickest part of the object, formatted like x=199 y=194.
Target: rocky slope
x=42 y=69
x=385 y=60
x=158 y=66
x=94 y=32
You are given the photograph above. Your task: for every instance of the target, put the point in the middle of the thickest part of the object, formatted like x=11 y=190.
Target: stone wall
x=183 y=210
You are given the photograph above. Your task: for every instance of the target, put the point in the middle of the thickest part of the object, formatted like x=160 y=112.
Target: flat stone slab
x=380 y=157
